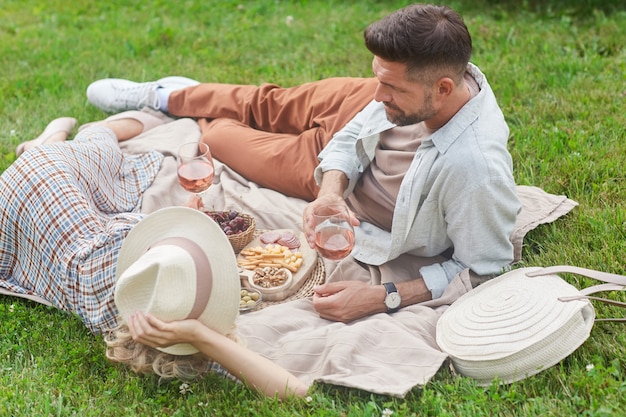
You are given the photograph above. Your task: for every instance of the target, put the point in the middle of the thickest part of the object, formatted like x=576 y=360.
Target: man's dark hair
x=432 y=41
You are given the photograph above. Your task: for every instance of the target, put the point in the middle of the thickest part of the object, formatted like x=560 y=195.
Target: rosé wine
x=334 y=242
x=196 y=176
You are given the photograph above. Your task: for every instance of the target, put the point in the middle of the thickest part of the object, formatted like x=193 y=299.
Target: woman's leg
x=128 y=124
x=57 y=131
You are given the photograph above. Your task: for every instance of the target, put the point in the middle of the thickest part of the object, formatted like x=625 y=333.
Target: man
x=423 y=167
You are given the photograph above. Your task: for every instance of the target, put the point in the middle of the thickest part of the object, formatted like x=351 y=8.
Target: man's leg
x=272 y=135
x=281 y=161
x=327 y=104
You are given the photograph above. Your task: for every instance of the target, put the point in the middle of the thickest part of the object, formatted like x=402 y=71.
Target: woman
x=69 y=215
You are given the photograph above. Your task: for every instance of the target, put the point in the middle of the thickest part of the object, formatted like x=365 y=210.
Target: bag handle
x=591 y=273
x=613 y=282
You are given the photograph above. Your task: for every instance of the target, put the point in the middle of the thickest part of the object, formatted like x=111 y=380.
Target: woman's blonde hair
x=144 y=359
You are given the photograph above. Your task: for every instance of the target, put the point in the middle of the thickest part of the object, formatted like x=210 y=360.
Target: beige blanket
x=385 y=354
x=271 y=209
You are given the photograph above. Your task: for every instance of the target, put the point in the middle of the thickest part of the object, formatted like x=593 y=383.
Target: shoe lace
x=141 y=95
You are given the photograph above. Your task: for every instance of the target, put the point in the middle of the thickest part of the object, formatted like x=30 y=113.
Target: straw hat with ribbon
x=177 y=264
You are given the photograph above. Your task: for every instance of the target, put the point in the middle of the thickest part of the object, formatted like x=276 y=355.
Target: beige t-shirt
x=375 y=194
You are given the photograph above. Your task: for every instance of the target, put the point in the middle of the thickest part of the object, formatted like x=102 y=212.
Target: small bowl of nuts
x=250 y=299
x=270 y=279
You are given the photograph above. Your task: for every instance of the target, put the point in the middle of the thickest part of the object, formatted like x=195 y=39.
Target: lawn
x=558 y=69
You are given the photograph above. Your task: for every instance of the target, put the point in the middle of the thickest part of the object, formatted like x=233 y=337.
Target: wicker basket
x=240 y=240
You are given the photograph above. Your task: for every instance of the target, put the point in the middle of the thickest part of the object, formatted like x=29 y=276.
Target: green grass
x=558 y=68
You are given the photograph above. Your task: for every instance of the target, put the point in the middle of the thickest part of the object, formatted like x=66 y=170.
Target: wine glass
x=195 y=167
x=334 y=235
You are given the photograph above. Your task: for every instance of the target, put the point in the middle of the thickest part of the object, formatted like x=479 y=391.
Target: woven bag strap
x=591 y=273
x=613 y=282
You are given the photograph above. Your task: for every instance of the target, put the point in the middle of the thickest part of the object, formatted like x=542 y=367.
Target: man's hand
x=307 y=215
x=331 y=193
x=346 y=301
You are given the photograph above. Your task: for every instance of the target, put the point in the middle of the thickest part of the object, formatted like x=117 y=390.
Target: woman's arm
x=254 y=370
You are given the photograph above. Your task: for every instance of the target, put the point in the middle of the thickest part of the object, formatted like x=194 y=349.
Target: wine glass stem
x=339 y=270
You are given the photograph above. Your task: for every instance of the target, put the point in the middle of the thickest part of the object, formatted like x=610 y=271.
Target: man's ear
x=444 y=86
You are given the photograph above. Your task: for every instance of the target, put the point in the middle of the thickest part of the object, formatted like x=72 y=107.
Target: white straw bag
x=521 y=323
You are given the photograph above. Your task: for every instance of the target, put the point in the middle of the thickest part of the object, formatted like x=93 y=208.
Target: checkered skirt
x=65 y=209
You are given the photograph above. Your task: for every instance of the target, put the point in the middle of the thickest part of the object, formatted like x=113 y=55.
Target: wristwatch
x=393 y=299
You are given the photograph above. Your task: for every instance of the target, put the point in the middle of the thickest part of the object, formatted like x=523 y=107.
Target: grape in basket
x=230 y=221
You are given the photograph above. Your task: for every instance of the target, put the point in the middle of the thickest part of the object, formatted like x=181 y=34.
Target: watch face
x=392 y=300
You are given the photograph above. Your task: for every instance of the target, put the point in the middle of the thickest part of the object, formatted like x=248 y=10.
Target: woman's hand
x=150 y=331
x=194 y=202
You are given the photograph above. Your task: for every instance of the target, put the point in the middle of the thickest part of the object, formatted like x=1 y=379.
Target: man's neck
x=453 y=104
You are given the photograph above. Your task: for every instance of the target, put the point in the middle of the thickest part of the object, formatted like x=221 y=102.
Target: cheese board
x=298 y=276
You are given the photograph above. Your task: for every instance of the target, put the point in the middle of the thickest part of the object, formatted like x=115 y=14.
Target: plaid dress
x=65 y=209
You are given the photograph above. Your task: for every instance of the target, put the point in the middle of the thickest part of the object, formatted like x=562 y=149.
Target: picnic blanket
x=384 y=354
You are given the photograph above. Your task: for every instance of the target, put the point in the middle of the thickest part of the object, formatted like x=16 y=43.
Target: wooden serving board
x=309 y=261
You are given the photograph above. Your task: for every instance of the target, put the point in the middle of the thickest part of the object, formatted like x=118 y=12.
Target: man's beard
x=402 y=119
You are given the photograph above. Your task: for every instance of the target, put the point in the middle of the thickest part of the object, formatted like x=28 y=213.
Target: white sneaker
x=116 y=95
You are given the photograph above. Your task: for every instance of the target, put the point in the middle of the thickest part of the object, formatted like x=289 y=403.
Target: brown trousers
x=272 y=135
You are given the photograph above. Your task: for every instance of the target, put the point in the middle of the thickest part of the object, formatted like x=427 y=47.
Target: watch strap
x=390 y=287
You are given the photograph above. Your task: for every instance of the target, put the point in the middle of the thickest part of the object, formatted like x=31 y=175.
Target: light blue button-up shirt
x=458 y=192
